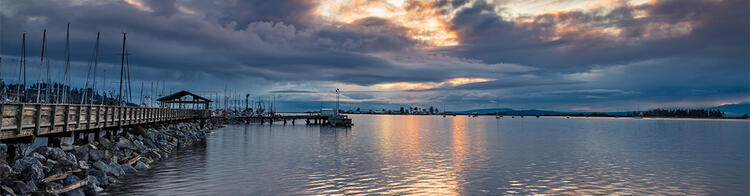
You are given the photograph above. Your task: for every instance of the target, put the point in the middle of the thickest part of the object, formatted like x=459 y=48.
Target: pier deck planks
x=19 y=120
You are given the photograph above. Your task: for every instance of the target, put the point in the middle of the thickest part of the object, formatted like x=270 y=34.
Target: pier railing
x=35 y=119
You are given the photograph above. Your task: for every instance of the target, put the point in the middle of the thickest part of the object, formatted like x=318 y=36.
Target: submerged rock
x=101 y=178
x=116 y=168
x=127 y=168
x=141 y=166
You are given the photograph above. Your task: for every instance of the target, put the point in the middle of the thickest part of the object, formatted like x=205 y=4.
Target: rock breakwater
x=89 y=168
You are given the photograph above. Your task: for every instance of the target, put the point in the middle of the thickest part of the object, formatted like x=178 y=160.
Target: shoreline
x=562 y=116
x=88 y=169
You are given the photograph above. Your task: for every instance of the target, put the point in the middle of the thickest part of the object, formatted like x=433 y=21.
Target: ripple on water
x=396 y=155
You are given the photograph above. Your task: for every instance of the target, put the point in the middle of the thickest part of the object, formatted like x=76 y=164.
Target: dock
x=309 y=119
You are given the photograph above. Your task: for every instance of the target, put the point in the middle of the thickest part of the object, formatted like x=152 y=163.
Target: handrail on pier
x=39 y=119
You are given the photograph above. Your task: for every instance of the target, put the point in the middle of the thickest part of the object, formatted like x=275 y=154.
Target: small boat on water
x=340 y=121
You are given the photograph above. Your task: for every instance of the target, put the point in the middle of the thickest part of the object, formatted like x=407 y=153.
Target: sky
x=571 y=55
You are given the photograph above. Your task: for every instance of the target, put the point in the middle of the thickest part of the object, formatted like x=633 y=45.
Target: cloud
x=576 y=55
x=580 y=39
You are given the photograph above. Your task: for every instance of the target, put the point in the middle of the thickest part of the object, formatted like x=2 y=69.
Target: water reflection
x=459 y=155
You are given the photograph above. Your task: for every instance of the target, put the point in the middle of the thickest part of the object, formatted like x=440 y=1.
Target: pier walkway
x=22 y=120
x=312 y=118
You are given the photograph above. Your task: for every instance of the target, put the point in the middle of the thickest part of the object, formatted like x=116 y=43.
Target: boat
x=474 y=115
x=334 y=118
x=340 y=121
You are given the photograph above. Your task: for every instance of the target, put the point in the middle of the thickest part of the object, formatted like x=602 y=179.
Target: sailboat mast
x=96 y=62
x=141 y=99
x=127 y=72
x=22 y=70
x=41 y=63
x=67 y=65
x=122 y=69
x=104 y=88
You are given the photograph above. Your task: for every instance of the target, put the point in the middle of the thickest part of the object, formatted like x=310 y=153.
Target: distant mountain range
x=730 y=110
x=733 y=110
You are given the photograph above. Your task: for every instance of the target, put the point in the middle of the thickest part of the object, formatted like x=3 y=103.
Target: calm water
x=460 y=155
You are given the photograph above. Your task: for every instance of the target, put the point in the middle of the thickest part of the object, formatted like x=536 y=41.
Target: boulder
x=106 y=168
x=50 y=163
x=5 y=170
x=125 y=143
x=20 y=187
x=127 y=168
x=70 y=179
x=70 y=157
x=83 y=165
x=51 y=153
x=24 y=162
x=139 y=145
x=107 y=154
x=149 y=143
x=164 y=155
x=48 y=186
x=116 y=168
x=102 y=179
x=140 y=165
x=95 y=155
x=104 y=142
x=154 y=154
x=68 y=163
x=82 y=153
x=92 y=180
x=34 y=173
x=38 y=156
x=93 y=189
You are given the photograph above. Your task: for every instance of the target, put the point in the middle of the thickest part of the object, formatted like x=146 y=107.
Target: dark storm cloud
x=692 y=51
x=576 y=40
x=293 y=91
x=186 y=46
x=241 y=13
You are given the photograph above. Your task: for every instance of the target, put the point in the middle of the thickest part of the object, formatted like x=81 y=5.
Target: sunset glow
x=423 y=21
x=429 y=85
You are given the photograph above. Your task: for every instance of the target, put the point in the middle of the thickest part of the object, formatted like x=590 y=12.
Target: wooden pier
x=22 y=120
x=308 y=119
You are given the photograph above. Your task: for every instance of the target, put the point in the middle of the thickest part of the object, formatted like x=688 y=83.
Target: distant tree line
x=683 y=113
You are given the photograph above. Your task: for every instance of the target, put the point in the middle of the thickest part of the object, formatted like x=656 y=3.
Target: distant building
x=327 y=112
